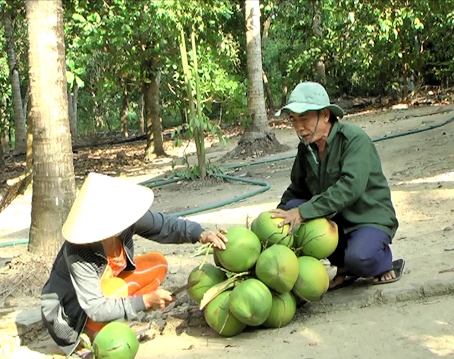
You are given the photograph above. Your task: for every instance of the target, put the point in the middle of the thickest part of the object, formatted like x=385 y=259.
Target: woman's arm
x=167 y=228
x=98 y=308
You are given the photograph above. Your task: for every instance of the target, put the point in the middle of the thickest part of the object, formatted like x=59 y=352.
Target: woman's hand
x=217 y=238
x=291 y=217
x=158 y=299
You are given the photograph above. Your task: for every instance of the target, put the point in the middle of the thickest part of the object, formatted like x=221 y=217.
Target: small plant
x=193 y=173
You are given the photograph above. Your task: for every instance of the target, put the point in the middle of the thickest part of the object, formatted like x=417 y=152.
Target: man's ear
x=326 y=114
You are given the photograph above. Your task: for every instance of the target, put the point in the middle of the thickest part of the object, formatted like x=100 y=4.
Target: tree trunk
x=155 y=142
x=403 y=48
x=19 y=117
x=266 y=85
x=255 y=97
x=53 y=171
x=419 y=81
x=25 y=104
x=75 y=114
x=2 y=157
x=72 y=111
x=141 y=123
x=318 y=32
x=269 y=95
x=124 y=112
x=29 y=155
x=284 y=94
x=5 y=142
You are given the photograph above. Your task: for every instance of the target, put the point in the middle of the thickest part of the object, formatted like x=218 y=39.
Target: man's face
x=305 y=125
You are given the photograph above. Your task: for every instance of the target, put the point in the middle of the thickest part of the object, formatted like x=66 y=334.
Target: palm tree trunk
x=255 y=96
x=53 y=171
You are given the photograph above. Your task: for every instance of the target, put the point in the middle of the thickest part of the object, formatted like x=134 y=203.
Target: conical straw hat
x=104 y=207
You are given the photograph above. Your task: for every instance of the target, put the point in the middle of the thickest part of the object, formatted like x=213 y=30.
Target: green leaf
x=79 y=18
x=69 y=77
x=80 y=83
x=217 y=289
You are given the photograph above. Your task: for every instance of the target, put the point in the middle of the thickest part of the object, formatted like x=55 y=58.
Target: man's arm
x=298 y=188
x=354 y=176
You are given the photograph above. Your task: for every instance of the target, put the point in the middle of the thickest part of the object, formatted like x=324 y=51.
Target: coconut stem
x=209 y=247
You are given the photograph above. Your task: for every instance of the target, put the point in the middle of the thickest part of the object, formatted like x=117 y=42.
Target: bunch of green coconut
x=263 y=273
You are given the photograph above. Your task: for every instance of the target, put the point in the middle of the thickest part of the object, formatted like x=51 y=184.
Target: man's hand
x=216 y=237
x=291 y=217
x=158 y=299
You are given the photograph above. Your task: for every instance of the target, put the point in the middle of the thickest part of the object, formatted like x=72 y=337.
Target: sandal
x=398 y=268
x=140 y=328
x=349 y=279
x=82 y=353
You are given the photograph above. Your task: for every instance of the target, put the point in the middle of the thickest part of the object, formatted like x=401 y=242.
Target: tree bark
x=124 y=112
x=403 y=47
x=419 y=81
x=318 y=32
x=75 y=113
x=2 y=157
x=72 y=111
x=141 y=124
x=284 y=94
x=53 y=171
x=5 y=142
x=255 y=96
x=155 y=142
x=266 y=85
x=19 y=117
x=269 y=94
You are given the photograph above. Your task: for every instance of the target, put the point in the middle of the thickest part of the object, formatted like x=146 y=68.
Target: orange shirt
x=116 y=259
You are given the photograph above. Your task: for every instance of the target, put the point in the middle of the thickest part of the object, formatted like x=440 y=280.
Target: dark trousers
x=364 y=251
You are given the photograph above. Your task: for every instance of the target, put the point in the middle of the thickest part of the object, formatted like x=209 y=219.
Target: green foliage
x=192 y=173
x=366 y=46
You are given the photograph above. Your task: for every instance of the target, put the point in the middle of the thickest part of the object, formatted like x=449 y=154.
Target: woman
x=95 y=278
x=337 y=174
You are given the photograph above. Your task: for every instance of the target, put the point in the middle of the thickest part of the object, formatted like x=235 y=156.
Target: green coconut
x=220 y=319
x=242 y=250
x=317 y=238
x=269 y=232
x=277 y=267
x=313 y=279
x=207 y=276
x=115 y=341
x=250 y=302
x=282 y=311
x=216 y=260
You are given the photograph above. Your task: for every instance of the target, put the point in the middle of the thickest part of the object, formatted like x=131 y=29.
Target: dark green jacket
x=348 y=184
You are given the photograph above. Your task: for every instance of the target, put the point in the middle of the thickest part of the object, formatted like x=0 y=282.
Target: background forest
x=132 y=69
x=124 y=55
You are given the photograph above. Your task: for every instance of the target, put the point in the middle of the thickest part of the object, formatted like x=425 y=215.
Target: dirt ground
x=420 y=170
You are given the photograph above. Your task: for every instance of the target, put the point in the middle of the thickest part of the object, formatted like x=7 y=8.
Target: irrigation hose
x=162 y=181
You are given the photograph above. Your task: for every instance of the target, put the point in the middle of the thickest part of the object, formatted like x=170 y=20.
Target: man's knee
x=361 y=264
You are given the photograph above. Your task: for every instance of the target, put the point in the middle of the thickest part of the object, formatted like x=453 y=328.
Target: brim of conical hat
x=104 y=207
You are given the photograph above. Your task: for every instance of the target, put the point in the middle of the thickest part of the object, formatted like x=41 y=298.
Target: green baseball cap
x=310 y=96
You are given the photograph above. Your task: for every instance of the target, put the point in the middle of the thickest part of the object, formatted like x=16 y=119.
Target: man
x=337 y=174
